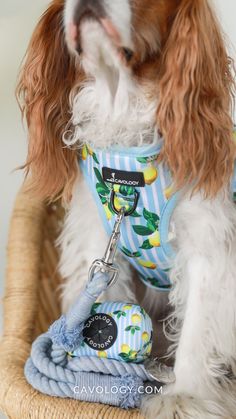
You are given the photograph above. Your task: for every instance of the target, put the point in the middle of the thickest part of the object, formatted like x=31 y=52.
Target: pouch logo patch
x=100 y=331
x=122 y=177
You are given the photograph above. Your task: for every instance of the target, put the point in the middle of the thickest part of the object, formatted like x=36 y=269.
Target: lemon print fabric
x=150 y=174
x=116 y=330
x=102 y=354
x=144 y=234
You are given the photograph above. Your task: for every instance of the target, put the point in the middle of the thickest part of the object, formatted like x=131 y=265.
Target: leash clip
x=106 y=264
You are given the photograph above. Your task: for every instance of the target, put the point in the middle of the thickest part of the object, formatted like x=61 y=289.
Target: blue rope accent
x=66 y=331
x=130 y=398
x=68 y=339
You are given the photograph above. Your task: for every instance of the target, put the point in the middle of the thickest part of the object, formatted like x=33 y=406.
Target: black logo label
x=121 y=177
x=100 y=331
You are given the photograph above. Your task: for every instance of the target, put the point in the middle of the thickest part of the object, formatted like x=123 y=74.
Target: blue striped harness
x=145 y=238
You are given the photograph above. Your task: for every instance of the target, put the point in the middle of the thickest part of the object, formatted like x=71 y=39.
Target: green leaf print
x=142 y=160
x=103 y=199
x=132 y=329
x=95 y=158
x=152 y=225
x=142 y=230
x=102 y=189
x=126 y=190
x=128 y=357
x=150 y=215
x=130 y=254
x=94 y=308
x=143 y=312
x=99 y=176
x=128 y=328
x=124 y=356
x=136 y=255
x=146 y=245
x=119 y=313
x=156 y=283
x=135 y=214
x=148 y=159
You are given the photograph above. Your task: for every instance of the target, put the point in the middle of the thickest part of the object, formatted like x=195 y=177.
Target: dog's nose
x=93 y=8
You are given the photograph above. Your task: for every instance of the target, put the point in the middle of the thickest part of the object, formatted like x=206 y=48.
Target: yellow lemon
x=136 y=318
x=127 y=307
x=147 y=264
x=145 y=336
x=148 y=349
x=107 y=211
x=150 y=175
x=125 y=348
x=118 y=204
x=90 y=151
x=116 y=188
x=154 y=239
x=168 y=192
x=133 y=354
x=84 y=153
x=102 y=354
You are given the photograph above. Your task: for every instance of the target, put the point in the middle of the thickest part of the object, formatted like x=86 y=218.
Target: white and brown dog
x=112 y=72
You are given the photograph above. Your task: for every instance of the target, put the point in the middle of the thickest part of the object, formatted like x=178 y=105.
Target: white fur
x=203 y=320
x=112 y=109
x=111 y=106
x=125 y=119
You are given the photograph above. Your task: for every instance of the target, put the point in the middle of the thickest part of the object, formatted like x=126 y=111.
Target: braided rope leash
x=42 y=355
x=82 y=378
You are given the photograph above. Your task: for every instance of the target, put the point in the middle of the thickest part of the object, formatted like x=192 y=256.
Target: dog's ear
x=47 y=77
x=195 y=92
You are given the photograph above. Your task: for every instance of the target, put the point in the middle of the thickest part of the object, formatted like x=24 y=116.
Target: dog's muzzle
x=95 y=10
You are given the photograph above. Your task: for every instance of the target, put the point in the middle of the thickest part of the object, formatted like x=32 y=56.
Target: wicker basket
x=31 y=303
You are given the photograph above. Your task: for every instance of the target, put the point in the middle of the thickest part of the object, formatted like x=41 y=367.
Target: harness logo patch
x=121 y=177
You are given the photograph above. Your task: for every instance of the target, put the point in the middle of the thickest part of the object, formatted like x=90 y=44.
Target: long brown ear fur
x=46 y=79
x=195 y=91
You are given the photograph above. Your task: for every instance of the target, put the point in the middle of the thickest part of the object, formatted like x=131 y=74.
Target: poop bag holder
x=116 y=330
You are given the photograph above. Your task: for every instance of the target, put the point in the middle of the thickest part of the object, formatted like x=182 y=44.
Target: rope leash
x=65 y=380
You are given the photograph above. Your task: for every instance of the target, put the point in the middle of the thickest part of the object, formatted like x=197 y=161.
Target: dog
x=113 y=73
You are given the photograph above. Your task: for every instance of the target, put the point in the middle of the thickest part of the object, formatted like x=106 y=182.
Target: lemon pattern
x=145 y=237
x=133 y=341
x=146 y=249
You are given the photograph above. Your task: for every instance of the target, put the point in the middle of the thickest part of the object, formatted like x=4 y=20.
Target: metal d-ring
x=131 y=210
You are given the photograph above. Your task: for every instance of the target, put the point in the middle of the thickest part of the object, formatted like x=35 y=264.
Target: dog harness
x=144 y=234
x=128 y=177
